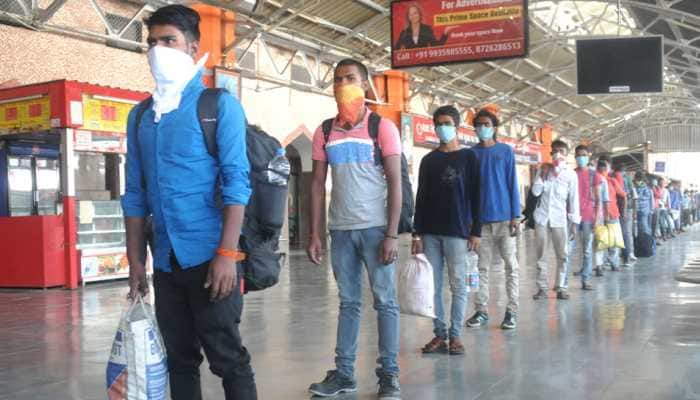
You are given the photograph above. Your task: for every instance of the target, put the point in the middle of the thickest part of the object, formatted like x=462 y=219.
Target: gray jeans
x=560 y=243
x=496 y=240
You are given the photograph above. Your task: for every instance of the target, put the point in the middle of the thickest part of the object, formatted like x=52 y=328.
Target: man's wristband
x=386 y=235
x=235 y=255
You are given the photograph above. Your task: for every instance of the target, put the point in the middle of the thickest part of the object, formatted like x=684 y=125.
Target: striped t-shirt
x=358 y=197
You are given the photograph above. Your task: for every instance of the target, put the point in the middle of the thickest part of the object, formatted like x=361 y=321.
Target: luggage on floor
x=416 y=287
x=644 y=245
x=137 y=368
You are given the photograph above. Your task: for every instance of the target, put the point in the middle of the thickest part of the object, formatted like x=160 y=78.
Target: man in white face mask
x=171 y=175
x=556 y=215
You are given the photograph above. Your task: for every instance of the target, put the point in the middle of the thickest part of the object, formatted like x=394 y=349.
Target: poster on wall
x=25 y=115
x=100 y=142
x=104 y=266
x=660 y=167
x=105 y=115
x=435 y=32
x=423 y=131
x=424 y=134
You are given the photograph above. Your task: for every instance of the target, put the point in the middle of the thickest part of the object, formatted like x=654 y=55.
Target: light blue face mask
x=484 y=132
x=446 y=133
x=582 y=161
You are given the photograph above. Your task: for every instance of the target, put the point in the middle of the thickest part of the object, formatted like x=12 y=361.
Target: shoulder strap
x=142 y=107
x=327 y=127
x=208 y=113
x=373 y=128
x=373 y=125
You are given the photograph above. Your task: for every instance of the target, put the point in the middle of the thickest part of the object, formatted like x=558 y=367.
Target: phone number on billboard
x=468 y=50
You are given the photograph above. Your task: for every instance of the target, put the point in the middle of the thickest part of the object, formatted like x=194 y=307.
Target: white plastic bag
x=137 y=368
x=416 y=287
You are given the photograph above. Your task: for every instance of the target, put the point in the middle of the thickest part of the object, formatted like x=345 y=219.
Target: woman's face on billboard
x=414 y=15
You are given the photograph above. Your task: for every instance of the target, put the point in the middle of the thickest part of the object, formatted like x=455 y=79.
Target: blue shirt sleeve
x=134 y=203
x=513 y=186
x=233 y=159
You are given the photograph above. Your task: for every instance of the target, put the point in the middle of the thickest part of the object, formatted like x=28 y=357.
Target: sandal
x=456 y=347
x=437 y=345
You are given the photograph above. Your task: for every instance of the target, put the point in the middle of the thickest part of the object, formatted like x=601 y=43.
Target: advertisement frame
x=526 y=31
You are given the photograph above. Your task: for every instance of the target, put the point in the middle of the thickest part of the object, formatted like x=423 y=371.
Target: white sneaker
x=633 y=259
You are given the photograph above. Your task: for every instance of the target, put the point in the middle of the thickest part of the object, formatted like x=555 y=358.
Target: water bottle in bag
x=278 y=169
x=472 y=271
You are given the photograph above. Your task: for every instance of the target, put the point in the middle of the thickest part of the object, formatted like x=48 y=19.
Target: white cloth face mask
x=172 y=70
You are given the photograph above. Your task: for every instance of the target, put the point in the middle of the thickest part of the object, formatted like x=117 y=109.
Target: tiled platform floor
x=637 y=336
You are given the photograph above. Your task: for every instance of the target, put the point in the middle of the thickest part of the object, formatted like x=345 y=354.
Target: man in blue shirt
x=500 y=212
x=171 y=175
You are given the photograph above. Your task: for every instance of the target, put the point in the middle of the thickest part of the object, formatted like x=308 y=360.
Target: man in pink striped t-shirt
x=364 y=216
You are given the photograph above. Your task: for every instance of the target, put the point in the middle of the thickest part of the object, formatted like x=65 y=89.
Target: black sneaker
x=563 y=295
x=480 y=318
x=598 y=271
x=389 y=388
x=540 y=295
x=509 y=321
x=334 y=384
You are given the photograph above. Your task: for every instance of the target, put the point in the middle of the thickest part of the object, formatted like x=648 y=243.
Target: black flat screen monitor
x=620 y=65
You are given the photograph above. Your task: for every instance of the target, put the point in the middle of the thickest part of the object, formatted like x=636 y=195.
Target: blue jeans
x=585 y=235
x=453 y=251
x=349 y=251
x=643 y=220
x=663 y=223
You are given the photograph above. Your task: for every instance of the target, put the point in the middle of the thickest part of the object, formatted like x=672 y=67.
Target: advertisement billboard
x=435 y=32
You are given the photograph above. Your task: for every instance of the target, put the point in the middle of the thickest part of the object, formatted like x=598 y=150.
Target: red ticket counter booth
x=62 y=147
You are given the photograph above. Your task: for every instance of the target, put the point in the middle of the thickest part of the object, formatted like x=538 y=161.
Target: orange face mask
x=351 y=101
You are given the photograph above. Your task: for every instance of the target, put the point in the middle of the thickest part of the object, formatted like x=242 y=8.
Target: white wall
x=281 y=110
x=682 y=166
x=31 y=57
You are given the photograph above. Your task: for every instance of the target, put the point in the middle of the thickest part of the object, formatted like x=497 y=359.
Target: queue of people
x=467 y=201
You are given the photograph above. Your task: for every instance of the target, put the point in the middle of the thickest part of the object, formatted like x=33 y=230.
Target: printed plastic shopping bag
x=416 y=287
x=137 y=368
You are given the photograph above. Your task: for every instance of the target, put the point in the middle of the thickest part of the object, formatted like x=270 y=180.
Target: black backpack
x=265 y=212
x=407 y=205
x=531 y=204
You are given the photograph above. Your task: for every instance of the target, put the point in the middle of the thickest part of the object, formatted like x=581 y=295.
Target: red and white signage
x=431 y=32
x=424 y=135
